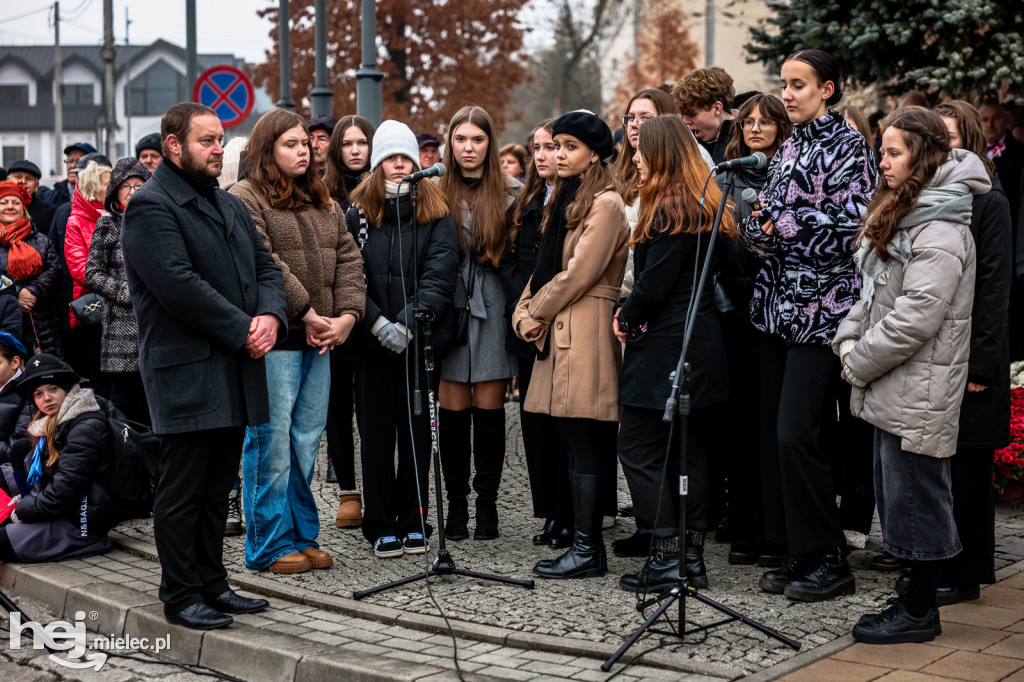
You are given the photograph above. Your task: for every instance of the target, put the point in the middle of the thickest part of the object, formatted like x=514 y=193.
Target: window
x=154 y=90
x=11 y=154
x=78 y=95
x=14 y=95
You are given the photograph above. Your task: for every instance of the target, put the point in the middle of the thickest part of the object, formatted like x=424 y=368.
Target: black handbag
x=88 y=308
x=463 y=312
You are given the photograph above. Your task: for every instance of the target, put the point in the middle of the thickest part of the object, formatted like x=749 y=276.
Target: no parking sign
x=227 y=91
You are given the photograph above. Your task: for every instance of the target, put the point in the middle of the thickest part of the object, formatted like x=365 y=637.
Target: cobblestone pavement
x=592 y=610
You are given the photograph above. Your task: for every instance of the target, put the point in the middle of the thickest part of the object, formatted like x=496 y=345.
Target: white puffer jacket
x=905 y=344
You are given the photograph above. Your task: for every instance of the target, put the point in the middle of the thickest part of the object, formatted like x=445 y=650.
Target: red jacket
x=81 y=225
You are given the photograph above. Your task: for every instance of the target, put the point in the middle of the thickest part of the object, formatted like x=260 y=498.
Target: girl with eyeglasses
x=761 y=125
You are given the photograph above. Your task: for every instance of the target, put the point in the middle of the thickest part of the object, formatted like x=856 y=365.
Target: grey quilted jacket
x=906 y=342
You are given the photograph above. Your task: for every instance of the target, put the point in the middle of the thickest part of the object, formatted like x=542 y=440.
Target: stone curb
x=244 y=651
x=478 y=631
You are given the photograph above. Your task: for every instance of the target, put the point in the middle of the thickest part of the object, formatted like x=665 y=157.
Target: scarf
x=996 y=150
x=391 y=189
x=22 y=260
x=204 y=186
x=36 y=470
x=552 y=243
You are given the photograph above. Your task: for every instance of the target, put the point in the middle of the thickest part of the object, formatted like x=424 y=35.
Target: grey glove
x=394 y=336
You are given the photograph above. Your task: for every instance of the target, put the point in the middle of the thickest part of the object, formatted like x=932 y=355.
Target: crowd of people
x=857 y=320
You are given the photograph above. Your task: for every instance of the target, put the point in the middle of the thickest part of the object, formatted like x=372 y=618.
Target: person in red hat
x=30 y=260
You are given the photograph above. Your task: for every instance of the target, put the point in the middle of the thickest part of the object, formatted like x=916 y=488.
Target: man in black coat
x=210 y=305
x=1007 y=152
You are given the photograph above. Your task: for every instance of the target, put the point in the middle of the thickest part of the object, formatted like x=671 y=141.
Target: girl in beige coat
x=567 y=310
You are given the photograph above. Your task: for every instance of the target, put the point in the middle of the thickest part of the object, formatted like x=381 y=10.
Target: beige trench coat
x=580 y=376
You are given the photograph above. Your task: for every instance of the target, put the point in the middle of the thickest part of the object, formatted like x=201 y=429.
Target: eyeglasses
x=628 y=119
x=762 y=123
x=129 y=188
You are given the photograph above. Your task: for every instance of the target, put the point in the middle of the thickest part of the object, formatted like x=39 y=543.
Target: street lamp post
x=322 y=97
x=368 y=78
x=284 y=38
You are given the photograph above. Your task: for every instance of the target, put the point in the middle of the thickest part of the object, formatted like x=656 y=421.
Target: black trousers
x=82 y=352
x=190 y=509
x=129 y=395
x=737 y=451
x=643 y=447
x=975 y=515
x=340 y=446
x=547 y=461
x=590 y=445
x=797 y=484
x=850 y=443
x=391 y=505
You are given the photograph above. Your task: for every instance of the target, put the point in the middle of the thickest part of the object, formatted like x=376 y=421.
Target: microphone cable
x=412 y=429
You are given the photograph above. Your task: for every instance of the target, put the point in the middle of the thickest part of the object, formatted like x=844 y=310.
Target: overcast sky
x=221 y=25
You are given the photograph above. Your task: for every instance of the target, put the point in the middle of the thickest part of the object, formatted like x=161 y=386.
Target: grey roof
x=38 y=59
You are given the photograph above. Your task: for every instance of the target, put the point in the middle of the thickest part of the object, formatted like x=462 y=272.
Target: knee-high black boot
x=586 y=558
x=453 y=440
x=489 y=456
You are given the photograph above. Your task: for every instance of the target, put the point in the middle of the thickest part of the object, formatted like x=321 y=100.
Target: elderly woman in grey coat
x=105 y=274
x=905 y=347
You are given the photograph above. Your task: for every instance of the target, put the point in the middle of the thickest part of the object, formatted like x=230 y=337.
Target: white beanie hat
x=394 y=137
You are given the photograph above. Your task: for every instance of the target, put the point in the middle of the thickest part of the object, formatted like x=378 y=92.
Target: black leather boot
x=453 y=440
x=636 y=545
x=696 y=571
x=489 y=456
x=586 y=558
x=793 y=566
x=830 y=577
x=660 y=574
x=544 y=536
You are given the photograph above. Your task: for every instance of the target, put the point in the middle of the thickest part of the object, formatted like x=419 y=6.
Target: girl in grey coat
x=905 y=347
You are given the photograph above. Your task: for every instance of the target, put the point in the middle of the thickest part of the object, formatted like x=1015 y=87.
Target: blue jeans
x=278 y=458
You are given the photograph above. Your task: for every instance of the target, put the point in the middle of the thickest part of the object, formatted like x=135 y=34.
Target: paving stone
x=968 y=637
x=149 y=622
x=105 y=606
x=332 y=667
x=506 y=673
x=1012 y=647
x=255 y=654
x=904 y=656
x=991 y=617
x=1004 y=598
x=835 y=671
x=973 y=667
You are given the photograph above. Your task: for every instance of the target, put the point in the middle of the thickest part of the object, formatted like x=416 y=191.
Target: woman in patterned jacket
x=819 y=185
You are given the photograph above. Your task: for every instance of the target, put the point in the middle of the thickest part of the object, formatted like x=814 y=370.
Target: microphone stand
x=443 y=564
x=677 y=409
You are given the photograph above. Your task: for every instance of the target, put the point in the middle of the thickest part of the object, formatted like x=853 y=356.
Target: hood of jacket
x=128 y=167
x=950 y=194
x=85 y=209
x=77 y=402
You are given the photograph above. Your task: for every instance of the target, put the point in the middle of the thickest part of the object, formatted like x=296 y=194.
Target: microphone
x=437 y=170
x=755 y=160
x=750 y=196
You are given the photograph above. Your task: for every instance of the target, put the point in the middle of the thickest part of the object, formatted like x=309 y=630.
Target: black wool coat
x=517 y=266
x=198 y=273
x=387 y=255
x=985 y=416
x=41 y=212
x=15 y=416
x=44 y=286
x=655 y=314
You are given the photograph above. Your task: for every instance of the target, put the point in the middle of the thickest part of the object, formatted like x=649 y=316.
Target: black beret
x=151 y=141
x=589 y=129
x=25 y=166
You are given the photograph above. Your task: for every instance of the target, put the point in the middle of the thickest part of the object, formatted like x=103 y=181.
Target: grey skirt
x=484 y=358
x=915 y=502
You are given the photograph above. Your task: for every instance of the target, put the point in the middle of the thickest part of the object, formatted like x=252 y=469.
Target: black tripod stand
x=443 y=564
x=677 y=411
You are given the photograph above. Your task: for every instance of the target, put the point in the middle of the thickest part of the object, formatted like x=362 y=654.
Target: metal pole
x=109 y=113
x=636 y=34
x=191 y=68
x=284 y=40
x=58 y=87
x=127 y=87
x=709 y=33
x=369 y=92
x=322 y=97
